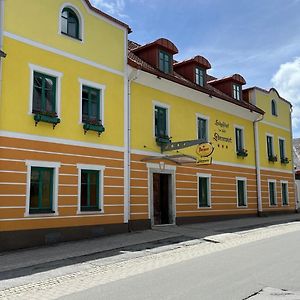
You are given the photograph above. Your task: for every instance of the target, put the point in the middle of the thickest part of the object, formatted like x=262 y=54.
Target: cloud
x=287 y=81
x=112 y=7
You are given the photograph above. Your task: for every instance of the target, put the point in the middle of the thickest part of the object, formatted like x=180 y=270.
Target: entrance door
x=162 y=208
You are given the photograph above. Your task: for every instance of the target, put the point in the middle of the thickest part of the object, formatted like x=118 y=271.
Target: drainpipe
x=133 y=75
x=1 y=41
x=292 y=162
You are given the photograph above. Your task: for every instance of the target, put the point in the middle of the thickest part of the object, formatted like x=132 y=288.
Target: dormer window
x=165 y=62
x=274 y=108
x=199 y=76
x=70 y=24
x=237 y=91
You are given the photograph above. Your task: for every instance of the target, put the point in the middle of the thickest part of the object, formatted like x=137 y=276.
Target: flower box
x=242 y=153
x=273 y=158
x=284 y=160
x=93 y=126
x=162 y=140
x=46 y=117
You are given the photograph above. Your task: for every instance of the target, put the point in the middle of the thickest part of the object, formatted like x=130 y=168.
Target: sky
x=259 y=39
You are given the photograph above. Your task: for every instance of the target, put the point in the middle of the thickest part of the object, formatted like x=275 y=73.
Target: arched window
x=273 y=108
x=70 y=23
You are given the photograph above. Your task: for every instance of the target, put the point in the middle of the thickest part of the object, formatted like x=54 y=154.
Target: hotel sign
x=204 y=152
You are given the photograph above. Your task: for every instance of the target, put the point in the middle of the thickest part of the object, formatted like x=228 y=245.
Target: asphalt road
x=234 y=273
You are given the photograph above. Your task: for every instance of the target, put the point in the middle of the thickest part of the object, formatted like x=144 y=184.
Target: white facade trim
x=101 y=169
x=62 y=53
x=167 y=107
x=196 y=96
x=208 y=176
x=244 y=179
x=275 y=192
x=95 y=85
x=275 y=125
x=207 y=118
x=43 y=164
x=287 y=192
x=80 y=19
x=46 y=139
x=50 y=72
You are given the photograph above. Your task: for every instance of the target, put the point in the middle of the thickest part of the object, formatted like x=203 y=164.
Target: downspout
x=133 y=75
x=292 y=162
x=257 y=164
x=1 y=42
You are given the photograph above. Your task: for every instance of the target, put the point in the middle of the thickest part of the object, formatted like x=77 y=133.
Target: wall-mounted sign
x=220 y=133
x=205 y=151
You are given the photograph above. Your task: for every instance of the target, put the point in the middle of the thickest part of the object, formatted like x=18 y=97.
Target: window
x=273 y=108
x=161 y=121
x=165 y=62
x=89 y=197
x=270 y=146
x=90 y=104
x=241 y=192
x=284 y=193
x=272 y=192
x=44 y=94
x=203 y=190
x=200 y=76
x=239 y=139
x=70 y=23
x=237 y=92
x=90 y=188
x=42 y=182
x=202 y=129
x=282 y=149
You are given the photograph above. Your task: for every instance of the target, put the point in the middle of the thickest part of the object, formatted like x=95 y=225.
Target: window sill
x=90 y=212
x=38 y=214
x=204 y=207
x=70 y=36
x=243 y=206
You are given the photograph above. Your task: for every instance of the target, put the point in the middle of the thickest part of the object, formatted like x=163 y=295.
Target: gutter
x=292 y=162
x=133 y=75
x=257 y=162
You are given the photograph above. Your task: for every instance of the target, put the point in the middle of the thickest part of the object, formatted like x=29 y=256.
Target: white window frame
x=273 y=150
x=95 y=85
x=42 y=164
x=80 y=19
x=167 y=107
x=243 y=135
x=244 y=179
x=101 y=188
x=276 y=112
x=239 y=88
x=58 y=75
x=287 y=192
x=284 y=148
x=275 y=192
x=200 y=116
x=204 y=175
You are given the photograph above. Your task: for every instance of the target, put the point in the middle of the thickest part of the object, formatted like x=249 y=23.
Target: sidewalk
x=25 y=262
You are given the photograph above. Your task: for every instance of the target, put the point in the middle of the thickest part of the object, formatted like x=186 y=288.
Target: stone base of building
x=11 y=240
x=137 y=225
x=277 y=212
x=202 y=219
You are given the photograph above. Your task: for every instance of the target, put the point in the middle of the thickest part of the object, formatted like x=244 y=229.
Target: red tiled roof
x=235 y=77
x=137 y=62
x=162 y=42
x=101 y=13
x=200 y=60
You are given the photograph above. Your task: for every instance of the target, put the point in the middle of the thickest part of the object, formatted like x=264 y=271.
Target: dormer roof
x=197 y=60
x=161 y=43
x=236 y=78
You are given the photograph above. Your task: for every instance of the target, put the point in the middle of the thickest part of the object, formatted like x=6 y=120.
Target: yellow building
x=99 y=134
x=61 y=122
x=178 y=101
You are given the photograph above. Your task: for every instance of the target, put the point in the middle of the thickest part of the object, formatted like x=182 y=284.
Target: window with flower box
x=239 y=142
x=91 y=108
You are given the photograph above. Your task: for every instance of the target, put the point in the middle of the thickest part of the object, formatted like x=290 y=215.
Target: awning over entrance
x=179 y=159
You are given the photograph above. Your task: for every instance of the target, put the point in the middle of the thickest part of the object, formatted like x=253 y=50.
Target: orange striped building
x=97 y=140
